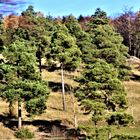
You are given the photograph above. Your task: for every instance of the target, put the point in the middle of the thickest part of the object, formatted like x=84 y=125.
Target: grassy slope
x=54 y=110
x=54 y=104
x=133 y=94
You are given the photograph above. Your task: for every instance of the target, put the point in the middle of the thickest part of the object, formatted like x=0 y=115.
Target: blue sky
x=84 y=7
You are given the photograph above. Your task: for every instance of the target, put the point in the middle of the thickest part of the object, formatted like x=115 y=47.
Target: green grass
x=103 y=131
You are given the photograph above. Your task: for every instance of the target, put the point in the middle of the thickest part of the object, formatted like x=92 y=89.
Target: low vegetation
x=55 y=112
x=24 y=133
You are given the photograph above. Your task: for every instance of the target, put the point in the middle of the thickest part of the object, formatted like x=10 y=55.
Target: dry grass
x=135 y=68
x=3 y=107
x=54 y=105
x=6 y=133
x=55 y=110
x=133 y=94
x=136 y=72
x=56 y=77
x=132 y=88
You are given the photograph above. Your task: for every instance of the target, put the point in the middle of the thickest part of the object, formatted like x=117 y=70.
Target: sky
x=76 y=7
x=85 y=7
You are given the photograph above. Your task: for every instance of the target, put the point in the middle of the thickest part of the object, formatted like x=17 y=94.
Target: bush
x=125 y=137
x=24 y=133
x=120 y=119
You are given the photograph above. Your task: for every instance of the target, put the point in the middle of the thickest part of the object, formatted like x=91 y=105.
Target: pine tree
x=101 y=92
x=21 y=81
x=31 y=27
x=83 y=39
x=64 y=52
x=108 y=45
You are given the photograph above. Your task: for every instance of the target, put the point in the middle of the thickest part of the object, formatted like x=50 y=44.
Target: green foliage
x=101 y=90
x=109 y=43
x=6 y=72
x=125 y=137
x=20 y=78
x=36 y=106
x=33 y=93
x=63 y=49
x=108 y=46
x=120 y=118
x=29 y=11
x=1 y=37
x=73 y=26
x=24 y=133
x=99 y=14
x=22 y=57
x=90 y=130
x=83 y=39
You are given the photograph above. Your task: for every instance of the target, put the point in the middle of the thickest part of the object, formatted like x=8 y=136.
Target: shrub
x=24 y=133
x=125 y=137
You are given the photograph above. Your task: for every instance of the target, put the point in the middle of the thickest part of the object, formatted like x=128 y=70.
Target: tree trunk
x=96 y=131
x=109 y=134
x=11 y=109
x=74 y=111
x=19 y=115
x=40 y=64
x=63 y=88
x=19 y=101
x=129 y=35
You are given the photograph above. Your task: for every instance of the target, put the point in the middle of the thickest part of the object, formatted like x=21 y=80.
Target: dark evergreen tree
x=83 y=39
x=64 y=52
x=31 y=27
x=108 y=46
x=20 y=79
x=101 y=92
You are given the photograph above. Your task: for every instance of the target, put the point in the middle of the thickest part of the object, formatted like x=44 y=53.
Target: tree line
x=66 y=43
x=126 y=24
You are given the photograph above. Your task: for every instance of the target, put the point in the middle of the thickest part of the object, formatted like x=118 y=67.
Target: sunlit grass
x=6 y=133
x=56 y=77
x=55 y=111
x=133 y=95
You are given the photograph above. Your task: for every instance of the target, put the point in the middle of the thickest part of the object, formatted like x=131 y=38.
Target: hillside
x=33 y=49
x=55 y=122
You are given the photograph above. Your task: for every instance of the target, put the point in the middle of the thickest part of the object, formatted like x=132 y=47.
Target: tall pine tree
x=20 y=79
x=64 y=52
x=101 y=92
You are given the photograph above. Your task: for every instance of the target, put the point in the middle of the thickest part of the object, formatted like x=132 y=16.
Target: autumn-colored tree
x=125 y=26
